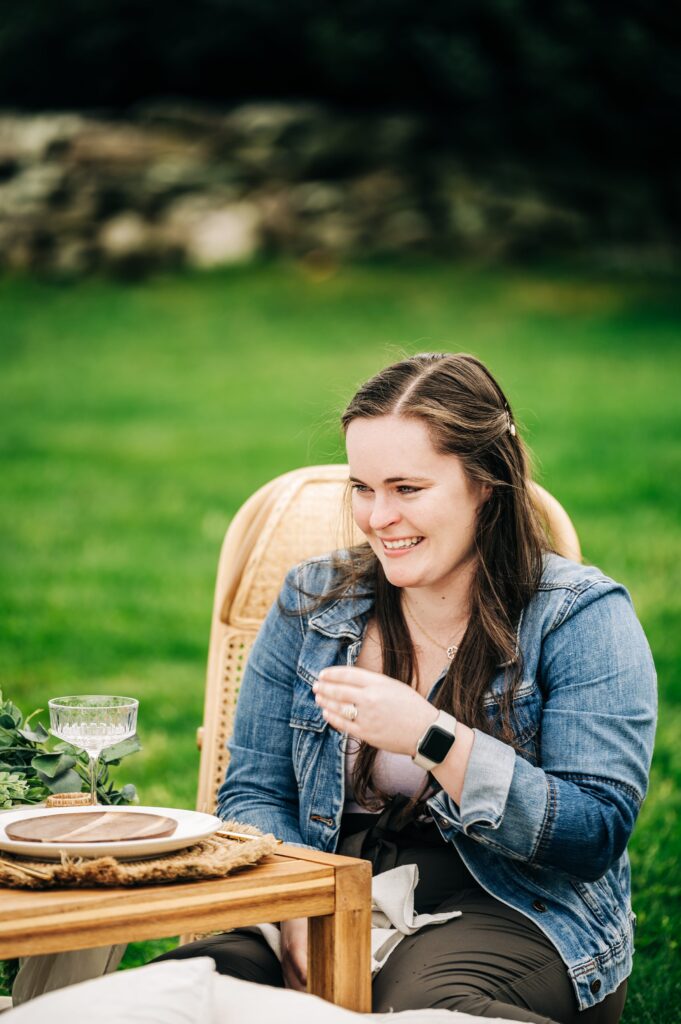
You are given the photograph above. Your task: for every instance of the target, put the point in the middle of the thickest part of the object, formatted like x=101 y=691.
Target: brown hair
x=467 y=415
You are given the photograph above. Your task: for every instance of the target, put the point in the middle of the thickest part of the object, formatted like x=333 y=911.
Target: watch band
x=436 y=742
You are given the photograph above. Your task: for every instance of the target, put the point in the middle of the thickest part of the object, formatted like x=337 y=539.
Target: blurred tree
x=572 y=88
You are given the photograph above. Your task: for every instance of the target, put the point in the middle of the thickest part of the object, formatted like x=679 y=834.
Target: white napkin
x=392 y=915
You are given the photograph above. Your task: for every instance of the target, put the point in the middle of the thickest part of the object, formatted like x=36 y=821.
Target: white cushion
x=172 y=992
x=236 y=1002
x=190 y=992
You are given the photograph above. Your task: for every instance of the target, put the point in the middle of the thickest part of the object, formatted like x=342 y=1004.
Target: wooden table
x=333 y=892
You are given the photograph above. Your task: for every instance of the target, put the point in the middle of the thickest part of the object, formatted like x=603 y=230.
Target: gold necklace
x=449 y=650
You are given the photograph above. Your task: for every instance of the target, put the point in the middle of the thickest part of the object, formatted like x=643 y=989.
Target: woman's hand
x=294 y=953
x=390 y=715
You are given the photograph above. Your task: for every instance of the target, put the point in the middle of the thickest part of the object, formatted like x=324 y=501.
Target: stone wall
x=180 y=186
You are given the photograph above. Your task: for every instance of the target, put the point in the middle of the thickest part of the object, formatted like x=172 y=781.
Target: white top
x=394 y=773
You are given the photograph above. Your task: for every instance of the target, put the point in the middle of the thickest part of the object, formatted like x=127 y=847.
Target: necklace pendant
x=451 y=651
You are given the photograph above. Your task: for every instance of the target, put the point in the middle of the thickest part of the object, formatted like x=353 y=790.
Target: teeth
x=409 y=543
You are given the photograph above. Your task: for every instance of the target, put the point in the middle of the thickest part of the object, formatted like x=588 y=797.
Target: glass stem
x=94 y=758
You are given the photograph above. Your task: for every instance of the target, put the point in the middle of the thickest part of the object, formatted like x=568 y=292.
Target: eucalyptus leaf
x=119 y=797
x=7 y=739
x=122 y=749
x=67 y=782
x=16 y=756
x=37 y=735
x=62 y=745
x=13 y=712
x=52 y=765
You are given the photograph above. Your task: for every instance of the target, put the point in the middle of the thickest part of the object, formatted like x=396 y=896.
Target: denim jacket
x=544 y=829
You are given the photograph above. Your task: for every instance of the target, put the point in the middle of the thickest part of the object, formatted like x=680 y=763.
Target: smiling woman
x=454 y=695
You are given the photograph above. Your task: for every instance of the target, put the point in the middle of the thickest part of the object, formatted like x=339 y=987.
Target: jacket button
x=595 y=986
x=444 y=822
x=539 y=906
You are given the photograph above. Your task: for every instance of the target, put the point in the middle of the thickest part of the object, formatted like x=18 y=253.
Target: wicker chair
x=295 y=516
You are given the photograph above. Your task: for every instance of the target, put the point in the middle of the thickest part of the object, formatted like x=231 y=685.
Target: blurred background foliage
x=583 y=94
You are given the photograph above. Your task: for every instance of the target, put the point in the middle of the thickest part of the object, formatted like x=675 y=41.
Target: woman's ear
x=486 y=492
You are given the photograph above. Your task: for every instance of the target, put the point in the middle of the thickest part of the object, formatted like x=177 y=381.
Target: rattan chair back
x=296 y=516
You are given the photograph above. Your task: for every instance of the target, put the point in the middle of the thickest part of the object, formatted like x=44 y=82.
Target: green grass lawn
x=136 y=420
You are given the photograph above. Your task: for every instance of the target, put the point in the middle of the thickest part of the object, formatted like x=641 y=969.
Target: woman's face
x=416 y=507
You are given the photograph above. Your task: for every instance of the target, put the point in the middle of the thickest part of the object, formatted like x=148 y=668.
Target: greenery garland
x=34 y=764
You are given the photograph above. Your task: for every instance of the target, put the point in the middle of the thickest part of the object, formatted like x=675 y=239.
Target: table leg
x=339 y=944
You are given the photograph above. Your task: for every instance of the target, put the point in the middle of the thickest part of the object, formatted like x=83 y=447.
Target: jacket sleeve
x=260 y=787
x=576 y=811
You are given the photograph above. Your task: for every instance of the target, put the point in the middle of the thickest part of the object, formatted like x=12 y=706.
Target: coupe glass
x=91 y=723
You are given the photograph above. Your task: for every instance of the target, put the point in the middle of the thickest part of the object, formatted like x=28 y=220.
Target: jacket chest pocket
x=525 y=715
x=307 y=726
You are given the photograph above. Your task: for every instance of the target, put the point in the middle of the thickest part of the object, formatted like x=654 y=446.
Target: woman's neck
x=444 y=608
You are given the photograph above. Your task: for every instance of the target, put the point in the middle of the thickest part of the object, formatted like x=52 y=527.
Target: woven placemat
x=211 y=858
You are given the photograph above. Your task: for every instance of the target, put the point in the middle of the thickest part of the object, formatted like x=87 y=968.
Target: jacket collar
x=345 y=617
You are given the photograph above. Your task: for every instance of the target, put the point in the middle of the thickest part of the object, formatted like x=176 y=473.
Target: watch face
x=437 y=744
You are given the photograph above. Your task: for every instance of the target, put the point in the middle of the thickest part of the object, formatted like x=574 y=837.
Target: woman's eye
x=401 y=489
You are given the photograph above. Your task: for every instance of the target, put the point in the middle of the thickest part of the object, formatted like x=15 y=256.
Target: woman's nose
x=383 y=512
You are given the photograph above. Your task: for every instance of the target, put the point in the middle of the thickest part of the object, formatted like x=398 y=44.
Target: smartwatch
x=436 y=742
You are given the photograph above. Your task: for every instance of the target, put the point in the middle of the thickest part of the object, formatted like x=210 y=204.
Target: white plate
x=191 y=827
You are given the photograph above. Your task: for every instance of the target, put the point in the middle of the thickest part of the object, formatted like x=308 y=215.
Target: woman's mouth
x=400 y=545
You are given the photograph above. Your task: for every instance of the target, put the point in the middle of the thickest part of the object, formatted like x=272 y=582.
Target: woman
x=453 y=694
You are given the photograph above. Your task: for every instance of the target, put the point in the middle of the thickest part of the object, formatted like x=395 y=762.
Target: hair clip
x=509 y=422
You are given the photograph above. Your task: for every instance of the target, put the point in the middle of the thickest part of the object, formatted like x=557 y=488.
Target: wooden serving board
x=91 y=827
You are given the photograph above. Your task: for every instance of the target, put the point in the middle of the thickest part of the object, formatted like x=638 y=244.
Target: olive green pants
x=491 y=962
x=484 y=963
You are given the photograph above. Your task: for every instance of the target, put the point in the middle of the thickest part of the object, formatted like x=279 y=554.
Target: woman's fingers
x=294 y=953
x=349 y=675
x=328 y=693
x=334 y=710
x=340 y=723
x=333 y=713
x=346 y=683
x=334 y=707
